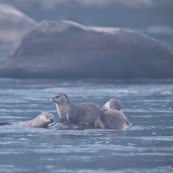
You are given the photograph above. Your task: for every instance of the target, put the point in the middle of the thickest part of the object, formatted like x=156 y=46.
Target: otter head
x=60 y=98
x=46 y=118
x=112 y=104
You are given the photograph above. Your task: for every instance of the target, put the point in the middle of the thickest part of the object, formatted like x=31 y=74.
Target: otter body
x=89 y=114
x=42 y=120
x=83 y=113
x=112 y=117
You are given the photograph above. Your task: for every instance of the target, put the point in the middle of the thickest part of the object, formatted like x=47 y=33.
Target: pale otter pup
x=42 y=120
x=84 y=113
x=112 y=117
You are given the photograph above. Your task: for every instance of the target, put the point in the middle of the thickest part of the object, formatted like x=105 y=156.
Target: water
x=145 y=147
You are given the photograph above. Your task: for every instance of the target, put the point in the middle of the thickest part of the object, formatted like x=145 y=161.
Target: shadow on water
x=146 y=146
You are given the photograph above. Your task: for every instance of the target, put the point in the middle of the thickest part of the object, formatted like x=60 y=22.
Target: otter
x=42 y=120
x=112 y=104
x=112 y=117
x=84 y=113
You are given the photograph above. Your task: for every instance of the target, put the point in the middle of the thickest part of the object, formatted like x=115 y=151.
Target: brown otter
x=84 y=113
x=112 y=104
x=112 y=117
x=42 y=120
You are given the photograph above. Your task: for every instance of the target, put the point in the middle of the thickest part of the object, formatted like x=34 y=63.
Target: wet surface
x=146 y=146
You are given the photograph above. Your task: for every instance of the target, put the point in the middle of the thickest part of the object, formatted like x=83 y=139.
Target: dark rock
x=69 y=50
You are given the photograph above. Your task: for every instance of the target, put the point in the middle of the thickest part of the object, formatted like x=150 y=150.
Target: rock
x=66 y=49
x=13 y=24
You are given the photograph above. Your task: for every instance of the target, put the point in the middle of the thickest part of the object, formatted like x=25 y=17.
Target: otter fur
x=83 y=113
x=42 y=120
x=112 y=104
x=112 y=117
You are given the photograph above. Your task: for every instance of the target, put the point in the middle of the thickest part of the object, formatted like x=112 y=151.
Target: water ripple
x=144 y=147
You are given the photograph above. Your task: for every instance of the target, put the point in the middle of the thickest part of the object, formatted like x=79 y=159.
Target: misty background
x=152 y=17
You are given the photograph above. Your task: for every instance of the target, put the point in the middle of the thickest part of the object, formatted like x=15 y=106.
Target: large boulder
x=13 y=24
x=67 y=49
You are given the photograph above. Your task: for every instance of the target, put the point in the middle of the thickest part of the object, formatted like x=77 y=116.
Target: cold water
x=147 y=146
